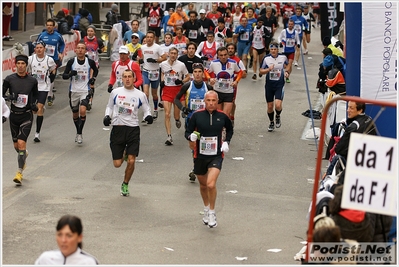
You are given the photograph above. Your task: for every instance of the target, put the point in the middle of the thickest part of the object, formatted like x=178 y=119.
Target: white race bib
x=208 y=145
x=50 y=50
x=21 y=101
x=245 y=36
x=275 y=74
x=170 y=79
x=197 y=104
x=192 y=34
x=223 y=84
x=153 y=75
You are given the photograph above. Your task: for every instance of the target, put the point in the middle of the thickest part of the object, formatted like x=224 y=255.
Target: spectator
x=113 y=15
x=62 y=23
x=78 y=23
x=335 y=50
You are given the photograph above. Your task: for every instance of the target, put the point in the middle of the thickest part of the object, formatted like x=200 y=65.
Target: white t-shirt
x=177 y=70
x=123 y=106
x=224 y=74
x=165 y=49
x=40 y=68
x=154 y=51
x=55 y=257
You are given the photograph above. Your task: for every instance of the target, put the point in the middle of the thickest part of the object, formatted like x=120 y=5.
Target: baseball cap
x=202 y=11
x=123 y=50
x=136 y=34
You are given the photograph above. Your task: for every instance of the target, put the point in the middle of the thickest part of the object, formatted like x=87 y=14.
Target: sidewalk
x=21 y=37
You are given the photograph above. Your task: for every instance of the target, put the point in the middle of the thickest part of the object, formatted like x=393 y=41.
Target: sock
x=76 y=122
x=278 y=112
x=271 y=116
x=39 y=122
x=155 y=104
x=212 y=211
x=206 y=208
x=21 y=159
x=125 y=183
x=82 y=123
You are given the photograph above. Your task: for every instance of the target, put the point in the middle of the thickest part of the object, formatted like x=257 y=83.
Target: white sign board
x=371 y=174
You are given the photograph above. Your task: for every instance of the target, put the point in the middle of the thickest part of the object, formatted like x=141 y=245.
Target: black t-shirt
x=188 y=25
x=189 y=62
x=206 y=24
x=21 y=87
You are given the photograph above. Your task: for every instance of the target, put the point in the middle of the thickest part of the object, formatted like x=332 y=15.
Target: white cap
x=202 y=11
x=136 y=34
x=123 y=50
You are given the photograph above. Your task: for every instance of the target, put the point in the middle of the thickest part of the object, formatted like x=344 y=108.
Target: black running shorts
x=201 y=166
x=124 y=137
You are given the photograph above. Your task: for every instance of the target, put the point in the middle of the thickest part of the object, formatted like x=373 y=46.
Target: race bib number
x=192 y=34
x=208 y=145
x=170 y=79
x=179 y=22
x=169 y=28
x=119 y=83
x=153 y=21
x=197 y=104
x=275 y=74
x=258 y=39
x=50 y=50
x=297 y=28
x=153 y=75
x=82 y=75
x=21 y=101
x=125 y=108
x=40 y=76
x=245 y=36
x=223 y=84
x=290 y=42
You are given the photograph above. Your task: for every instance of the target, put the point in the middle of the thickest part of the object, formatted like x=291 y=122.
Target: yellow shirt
x=336 y=51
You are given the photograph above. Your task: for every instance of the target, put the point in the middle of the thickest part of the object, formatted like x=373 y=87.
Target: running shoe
x=160 y=104
x=79 y=139
x=296 y=63
x=50 y=101
x=306 y=52
x=192 y=176
x=212 y=223
x=155 y=116
x=18 y=178
x=271 y=127
x=178 y=124
x=37 y=138
x=254 y=77
x=10 y=38
x=260 y=75
x=287 y=80
x=89 y=106
x=278 y=121
x=124 y=190
x=205 y=219
x=169 y=141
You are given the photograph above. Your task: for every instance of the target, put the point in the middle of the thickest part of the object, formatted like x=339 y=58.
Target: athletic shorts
x=20 y=125
x=157 y=30
x=290 y=55
x=259 y=51
x=169 y=93
x=153 y=84
x=76 y=97
x=201 y=166
x=243 y=48
x=225 y=97
x=274 y=93
x=124 y=138
x=42 y=97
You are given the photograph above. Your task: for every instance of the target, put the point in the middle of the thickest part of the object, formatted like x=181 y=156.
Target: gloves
x=141 y=61
x=11 y=97
x=186 y=110
x=225 y=147
x=73 y=73
x=110 y=88
x=298 y=45
x=107 y=120
x=178 y=82
x=204 y=58
x=33 y=107
x=242 y=31
x=149 y=119
x=151 y=60
x=220 y=35
x=134 y=56
x=52 y=77
x=92 y=81
x=162 y=84
x=4 y=119
x=193 y=137
x=281 y=45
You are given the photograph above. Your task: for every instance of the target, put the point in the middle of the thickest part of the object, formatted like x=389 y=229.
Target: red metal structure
x=320 y=155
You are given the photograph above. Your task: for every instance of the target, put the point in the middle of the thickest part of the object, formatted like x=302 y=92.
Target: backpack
x=83 y=24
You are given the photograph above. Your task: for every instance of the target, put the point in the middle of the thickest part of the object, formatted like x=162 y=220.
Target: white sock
x=212 y=211
x=206 y=208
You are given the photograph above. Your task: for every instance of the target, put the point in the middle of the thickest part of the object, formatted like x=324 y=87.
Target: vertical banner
x=330 y=19
x=379 y=51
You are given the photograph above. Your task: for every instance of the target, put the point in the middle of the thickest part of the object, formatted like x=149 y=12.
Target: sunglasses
x=135 y=37
x=198 y=65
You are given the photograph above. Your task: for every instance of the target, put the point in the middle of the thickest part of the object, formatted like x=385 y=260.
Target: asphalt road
x=160 y=222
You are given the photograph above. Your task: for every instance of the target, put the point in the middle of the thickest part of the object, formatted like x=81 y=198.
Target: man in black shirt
x=191 y=28
x=23 y=93
x=207 y=25
x=190 y=58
